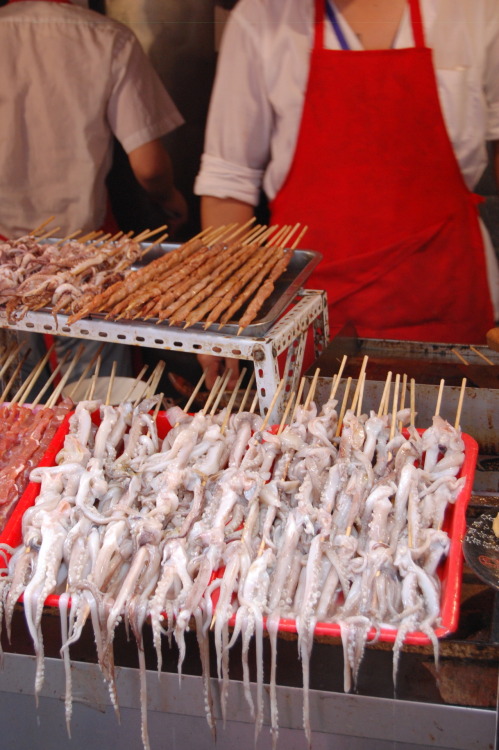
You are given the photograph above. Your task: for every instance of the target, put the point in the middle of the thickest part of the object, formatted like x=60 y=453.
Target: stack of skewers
x=231 y=525
x=219 y=276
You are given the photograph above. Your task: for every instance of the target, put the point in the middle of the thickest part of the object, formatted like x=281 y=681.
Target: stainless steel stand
x=288 y=334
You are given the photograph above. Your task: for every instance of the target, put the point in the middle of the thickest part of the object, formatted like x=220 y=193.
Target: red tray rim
x=449 y=573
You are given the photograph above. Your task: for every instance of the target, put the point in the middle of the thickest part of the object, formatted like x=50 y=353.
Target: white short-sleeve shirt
x=70 y=79
x=257 y=100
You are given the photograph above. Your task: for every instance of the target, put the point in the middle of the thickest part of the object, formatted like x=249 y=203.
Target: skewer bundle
x=208 y=279
x=64 y=274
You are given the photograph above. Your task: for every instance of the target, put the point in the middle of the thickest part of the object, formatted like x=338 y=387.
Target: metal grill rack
x=308 y=309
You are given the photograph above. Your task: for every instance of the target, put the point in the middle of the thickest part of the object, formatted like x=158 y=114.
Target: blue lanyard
x=336 y=26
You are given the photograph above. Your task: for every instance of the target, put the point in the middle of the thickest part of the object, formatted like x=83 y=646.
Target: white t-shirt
x=257 y=100
x=70 y=79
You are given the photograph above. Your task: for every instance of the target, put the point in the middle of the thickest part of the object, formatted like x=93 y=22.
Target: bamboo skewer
x=195 y=392
x=253 y=404
x=439 y=397
x=298 y=399
x=85 y=372
x=42 y=226
x=385 y=395
x=460 y=356
x=413 y=402
x=155 y=378
x=480 y=354
x=286 y=412
x=343 y=406
x=223 y=386
x=30 y=381
x=311 y=392
x=111 y=383
x=211 y=394
x=247 y=392
x=395 y=405
x=52 y=401
x=135 y=383
x=51 y=378
x=335 y=383
x=13 y=377
x=402 y=397
x=272 y=404
x=460 y=404
x=232 y=400
x=361 y=395
x=91 y=390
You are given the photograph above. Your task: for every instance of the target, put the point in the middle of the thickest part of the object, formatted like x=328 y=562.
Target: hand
x=215 y=366
x=176 y=211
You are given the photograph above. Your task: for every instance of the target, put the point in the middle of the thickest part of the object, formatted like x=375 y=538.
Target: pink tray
x=449 y=571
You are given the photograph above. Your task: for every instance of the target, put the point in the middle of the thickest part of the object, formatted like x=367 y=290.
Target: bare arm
x=216 y=212
x=152 y=167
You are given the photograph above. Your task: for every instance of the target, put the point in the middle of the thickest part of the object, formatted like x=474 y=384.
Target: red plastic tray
x=449 y=571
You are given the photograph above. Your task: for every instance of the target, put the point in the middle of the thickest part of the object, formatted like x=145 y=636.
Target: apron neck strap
x=417 y=23
x=321 y=5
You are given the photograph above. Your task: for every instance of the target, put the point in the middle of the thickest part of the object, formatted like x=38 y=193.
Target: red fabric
x=376 y=181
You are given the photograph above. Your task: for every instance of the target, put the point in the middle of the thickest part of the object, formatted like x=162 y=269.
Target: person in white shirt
x=370 y=126
x=72 y=80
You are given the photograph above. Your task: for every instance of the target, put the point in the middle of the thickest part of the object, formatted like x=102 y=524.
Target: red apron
x=376 y=181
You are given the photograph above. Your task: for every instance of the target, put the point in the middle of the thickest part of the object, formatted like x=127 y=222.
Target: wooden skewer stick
x=91 y=390
x=299 y=238
x=240 y=230
x=51 y=379
x=155 y=379
x=480 y=354
x=359 y=384
x=68 y=237
x=460 y=356
x=298 y=399
x=47 y=234
x=413 y=402
x=247 y=393
x=111 y=383
x=13 y=377
x=460 y=404
x=272 y=404
x=138 y=379
x=258 y=235
x=12 y=355
x=223 y=386
x=211 y=394
x=254 y=403
x=311 y=391
x=195 y=392
x=30 y=381
x=395 y=405
x=85 y=372
x=439 y=398
x=52 y=401
x=335 y=384
x=146 y=233
x=39 y=228
x=286 y=412
x=361 y=394
x=343 y=406
x=385 y=396
x=402 y=397
x=232 y=400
